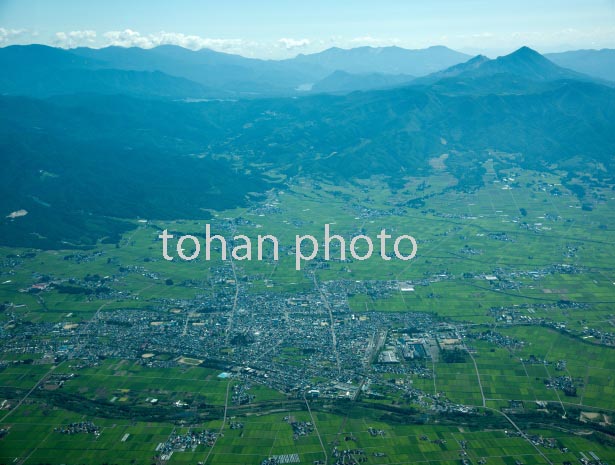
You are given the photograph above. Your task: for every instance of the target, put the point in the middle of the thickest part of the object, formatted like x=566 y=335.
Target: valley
x=494 y=344
x=373 y=255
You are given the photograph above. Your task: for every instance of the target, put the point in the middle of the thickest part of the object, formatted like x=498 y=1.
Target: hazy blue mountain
x=247 y=75
x=453 y=71
x=522 y=71
x=398 y=130
x=343 y=82
x=388 y=60
x=175 y=72
x=597 y=63
x=225 y=72
x=21 y=56
x=83 y=164
x=165 y=71
x=527 y=63
x=42 y=71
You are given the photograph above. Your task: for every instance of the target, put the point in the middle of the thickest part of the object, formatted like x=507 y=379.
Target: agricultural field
x=264 y=360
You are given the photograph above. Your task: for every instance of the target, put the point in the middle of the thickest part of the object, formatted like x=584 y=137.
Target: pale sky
x=280 y=29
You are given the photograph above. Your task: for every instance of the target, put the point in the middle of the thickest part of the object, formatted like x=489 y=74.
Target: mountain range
x=386 y=60
x=86 y=148
x=597 y=63
x=177 y=73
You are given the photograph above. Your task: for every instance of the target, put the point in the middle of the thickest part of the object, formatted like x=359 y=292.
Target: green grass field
x=543 y=248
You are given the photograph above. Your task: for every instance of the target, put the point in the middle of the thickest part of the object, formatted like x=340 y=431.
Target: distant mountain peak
x=503 y=74
x=528 y=64
x=525 y=50
x=438 y=47
x=477 y=59
x=453 y=71
x=525 y=53
x=387 y=60
x=597 y=63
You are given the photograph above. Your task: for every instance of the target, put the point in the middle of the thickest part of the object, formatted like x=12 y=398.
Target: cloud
x=130 y=38
x=373 y=41
x=11 y=35
x=290 y=44
x=74 y=38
